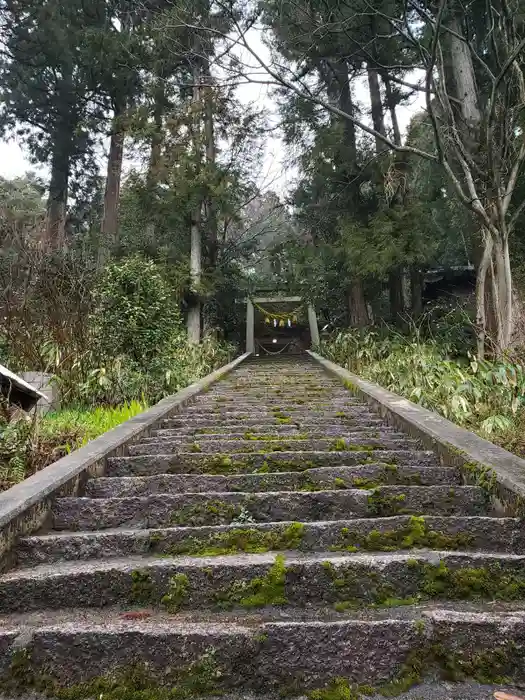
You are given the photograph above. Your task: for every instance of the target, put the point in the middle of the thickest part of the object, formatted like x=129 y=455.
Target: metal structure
x=17 y=391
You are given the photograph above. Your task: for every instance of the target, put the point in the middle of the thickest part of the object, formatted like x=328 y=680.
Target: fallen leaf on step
x=506 y=696
x=143 y=614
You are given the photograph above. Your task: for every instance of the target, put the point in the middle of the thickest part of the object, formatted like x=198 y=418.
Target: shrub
x=135 y=310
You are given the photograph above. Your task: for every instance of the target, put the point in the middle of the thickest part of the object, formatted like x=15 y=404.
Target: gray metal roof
x=20 y=383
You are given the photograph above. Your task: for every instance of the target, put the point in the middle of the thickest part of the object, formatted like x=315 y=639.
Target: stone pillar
x=314 y=328
x=250 y=326
x=43 y=382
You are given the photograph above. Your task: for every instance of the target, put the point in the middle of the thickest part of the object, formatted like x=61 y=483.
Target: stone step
x=246 y=422
x=426 y=690
x=228 y=445
x=253 y=581
x=224 y=508
x=295 y=404
x=367 y=476
x=472 y=533
x=273 y=432
x=269 y=422
x=238 y=411
x=235 y=463
x=218 y=652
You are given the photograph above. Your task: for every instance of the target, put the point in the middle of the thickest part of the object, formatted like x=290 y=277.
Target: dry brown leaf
x=506 y=696
x=144 y=614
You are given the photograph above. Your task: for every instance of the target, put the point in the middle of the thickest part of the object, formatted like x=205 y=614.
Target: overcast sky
x=277 y=170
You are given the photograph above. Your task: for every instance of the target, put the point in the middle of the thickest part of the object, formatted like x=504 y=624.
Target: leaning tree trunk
x=109 y=227
x=57 y=198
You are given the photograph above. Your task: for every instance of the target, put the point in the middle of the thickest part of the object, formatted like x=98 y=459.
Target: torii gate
x=250 y=318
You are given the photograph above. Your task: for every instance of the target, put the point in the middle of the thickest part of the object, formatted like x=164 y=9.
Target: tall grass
x=77 y=426
x=483 y=396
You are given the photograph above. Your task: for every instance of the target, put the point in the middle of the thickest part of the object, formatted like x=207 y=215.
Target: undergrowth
x=486 y=397
x=28 y=443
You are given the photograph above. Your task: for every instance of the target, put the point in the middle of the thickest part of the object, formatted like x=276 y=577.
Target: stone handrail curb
x=481 y=461
x=25 y=507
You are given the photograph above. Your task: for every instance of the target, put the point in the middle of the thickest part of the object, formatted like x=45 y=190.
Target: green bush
x=135 y=310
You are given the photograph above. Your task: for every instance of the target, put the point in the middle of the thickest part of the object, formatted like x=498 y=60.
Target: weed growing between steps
x=177 y=593
x=384 y=506
x=258 y=592
x=415 y=534
x=142 y=587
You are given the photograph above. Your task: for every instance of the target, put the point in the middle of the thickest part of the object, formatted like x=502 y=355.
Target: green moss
x=242 y=540
x=385 y=505
x=340 y=414
x=338 y=445
x=414 y=534
x=177 y=592
x=207 y=513
x=491 y=582
x=260 y=591
x=135 y=682
x=142 y=588
x=482 y=475
x=340 y=483
x=338 y=689
x=359 y=482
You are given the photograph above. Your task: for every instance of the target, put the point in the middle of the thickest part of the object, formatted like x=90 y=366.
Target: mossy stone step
x=401 y=532
x=221 y=430
x=250 y=653
x=339 y=419
x=235 y=463
x=159 y=510
x=270 y=432
x=322 y=478
x=226 y=446
x=255 y=581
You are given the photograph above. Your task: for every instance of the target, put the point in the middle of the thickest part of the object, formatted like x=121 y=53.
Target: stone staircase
x=276 y=537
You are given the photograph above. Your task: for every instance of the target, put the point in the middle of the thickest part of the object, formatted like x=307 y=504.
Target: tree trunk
x=194 y=312
x=463 y=75
x=346 y=104
x=395 y=292
x=357 y=307
x=392 y=108
x=416 y=290
x=481 y=295
x=109 y=228
x=377 y=106
x=155 y=158
x=209 y=136
x=57 y=199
